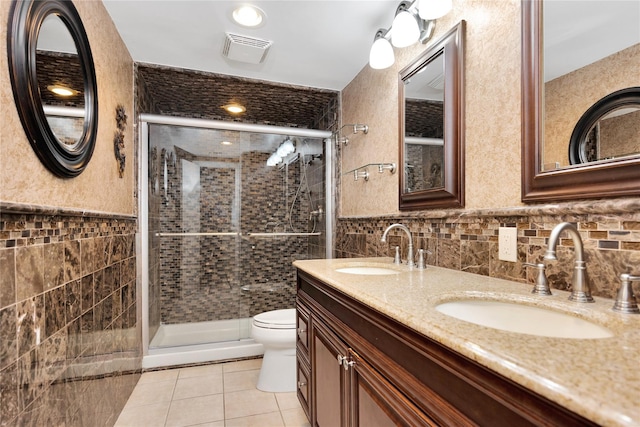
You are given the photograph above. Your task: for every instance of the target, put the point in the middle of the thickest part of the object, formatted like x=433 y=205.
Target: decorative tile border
x=468 y=241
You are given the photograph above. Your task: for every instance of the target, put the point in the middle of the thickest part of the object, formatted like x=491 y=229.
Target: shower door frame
x=144 y=120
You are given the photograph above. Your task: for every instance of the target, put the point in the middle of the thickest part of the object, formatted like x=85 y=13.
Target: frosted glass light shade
x=404 y=30
x=434 y=9
x=381 y=54
x=286 y=148
x=273 y=160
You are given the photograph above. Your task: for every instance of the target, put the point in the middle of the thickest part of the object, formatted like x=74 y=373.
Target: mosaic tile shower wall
x=469 y=242
x=194 y=94
x=203 y=278
x=69 y=340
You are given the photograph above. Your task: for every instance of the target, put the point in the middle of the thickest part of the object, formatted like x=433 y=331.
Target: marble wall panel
x=7 y=277
x=61 y=330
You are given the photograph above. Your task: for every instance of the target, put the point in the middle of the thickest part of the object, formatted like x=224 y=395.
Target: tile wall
x=194 y=94
x=468 y=241
x=69 y=339
x=229 y=277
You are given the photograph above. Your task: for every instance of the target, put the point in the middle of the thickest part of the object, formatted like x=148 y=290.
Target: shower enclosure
x=225 y=210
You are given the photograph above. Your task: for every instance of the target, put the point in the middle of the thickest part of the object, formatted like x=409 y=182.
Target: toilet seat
x=276 y=319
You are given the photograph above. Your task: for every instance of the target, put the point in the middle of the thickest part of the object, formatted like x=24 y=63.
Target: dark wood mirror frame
x=615 y=178
x=26 y=18
x=451 y=194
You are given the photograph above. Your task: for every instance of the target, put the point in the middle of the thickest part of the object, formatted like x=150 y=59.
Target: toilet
x=276 y=331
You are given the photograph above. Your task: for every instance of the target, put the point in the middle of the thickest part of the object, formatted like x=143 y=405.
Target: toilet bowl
x=276 y=331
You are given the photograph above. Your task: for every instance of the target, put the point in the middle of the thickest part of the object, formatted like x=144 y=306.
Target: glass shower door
x=224 y=227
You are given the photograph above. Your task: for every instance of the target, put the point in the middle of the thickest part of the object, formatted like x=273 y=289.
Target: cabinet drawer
x=304 y=373
x=303 y=328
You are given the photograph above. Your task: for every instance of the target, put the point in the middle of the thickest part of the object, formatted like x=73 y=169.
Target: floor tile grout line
x=166 y=416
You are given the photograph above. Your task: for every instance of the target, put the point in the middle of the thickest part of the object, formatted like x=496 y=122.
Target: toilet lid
x=276 y=319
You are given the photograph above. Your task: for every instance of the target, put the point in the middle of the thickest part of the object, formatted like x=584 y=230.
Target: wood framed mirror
x=431 y=113
x=548 y=174
x=54 y=83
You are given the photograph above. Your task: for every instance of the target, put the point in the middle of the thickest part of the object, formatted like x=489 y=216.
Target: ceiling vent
x=245 y=49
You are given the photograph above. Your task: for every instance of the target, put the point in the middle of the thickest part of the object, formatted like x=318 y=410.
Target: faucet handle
x=542 y=284
x=625 y=300
x=422 y=254
x=397 y=259
x=421 y=265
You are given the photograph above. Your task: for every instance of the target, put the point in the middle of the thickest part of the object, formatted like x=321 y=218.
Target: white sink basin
x=366 y=270
x=524 y=319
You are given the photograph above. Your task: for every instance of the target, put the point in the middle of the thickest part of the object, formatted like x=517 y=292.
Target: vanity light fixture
x=61 y=90
x=381 y=54
x=434 y=9
x=405 y=29
x=409 y=26
x=234 y=108
x=248 y=16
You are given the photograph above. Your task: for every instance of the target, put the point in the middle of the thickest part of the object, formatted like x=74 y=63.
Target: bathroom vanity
x=373 y=350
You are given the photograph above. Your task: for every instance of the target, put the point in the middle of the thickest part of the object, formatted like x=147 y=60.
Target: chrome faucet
x=404 y=228
x=580 y=291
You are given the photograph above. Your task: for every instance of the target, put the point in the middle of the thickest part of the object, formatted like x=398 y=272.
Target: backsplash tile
x=468 y=241
x=70 y=350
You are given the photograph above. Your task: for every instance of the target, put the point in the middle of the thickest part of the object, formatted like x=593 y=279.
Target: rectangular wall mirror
x=580 y=79
x=432 y=126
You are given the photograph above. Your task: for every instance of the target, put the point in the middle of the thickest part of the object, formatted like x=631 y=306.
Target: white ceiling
x=322 y=44
x=325 y=43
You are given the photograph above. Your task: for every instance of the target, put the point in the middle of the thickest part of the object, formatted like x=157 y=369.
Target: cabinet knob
x=301 y=384
x=302 y=331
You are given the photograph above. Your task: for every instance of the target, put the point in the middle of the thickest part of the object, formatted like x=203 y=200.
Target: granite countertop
x=596 y=378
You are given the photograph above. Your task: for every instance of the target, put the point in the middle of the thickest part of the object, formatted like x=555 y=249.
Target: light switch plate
x=508 y=244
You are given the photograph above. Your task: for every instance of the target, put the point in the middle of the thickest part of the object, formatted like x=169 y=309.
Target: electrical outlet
x=508 y=244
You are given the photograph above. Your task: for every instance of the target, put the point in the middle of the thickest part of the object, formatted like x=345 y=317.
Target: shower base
x=201 y=342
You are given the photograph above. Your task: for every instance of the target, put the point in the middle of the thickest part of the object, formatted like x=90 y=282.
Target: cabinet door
x=377 y=403
x=330 y=381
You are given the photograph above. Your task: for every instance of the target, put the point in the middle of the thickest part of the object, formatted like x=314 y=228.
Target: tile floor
x=220 y=395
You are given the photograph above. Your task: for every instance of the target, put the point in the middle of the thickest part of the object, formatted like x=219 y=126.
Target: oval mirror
x=609 y=130
x=432 y=126
x=60 y=81
x=54 y=83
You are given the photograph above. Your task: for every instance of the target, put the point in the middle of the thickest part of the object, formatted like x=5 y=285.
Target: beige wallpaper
x=23 y=179
x=492 y=85
x=569 y=96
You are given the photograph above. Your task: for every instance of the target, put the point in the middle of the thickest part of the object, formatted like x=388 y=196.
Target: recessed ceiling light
x=61 y=90
x=234 y=108
x=226 y=143
x=248 y=16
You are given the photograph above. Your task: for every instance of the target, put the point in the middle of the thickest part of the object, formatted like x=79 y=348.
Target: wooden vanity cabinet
x=363 y=368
